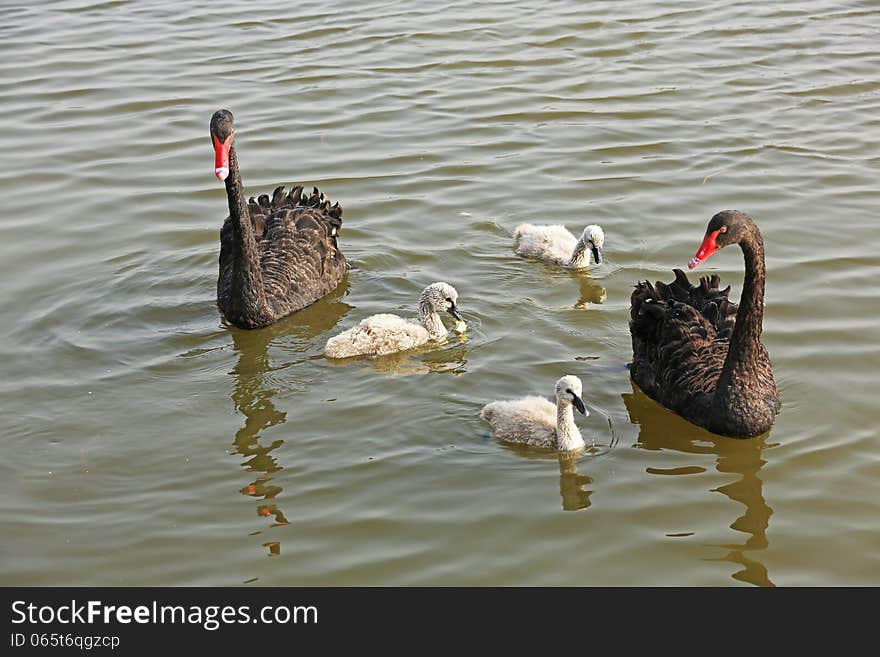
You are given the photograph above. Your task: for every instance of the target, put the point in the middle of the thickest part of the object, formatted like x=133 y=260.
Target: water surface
x=145 y=442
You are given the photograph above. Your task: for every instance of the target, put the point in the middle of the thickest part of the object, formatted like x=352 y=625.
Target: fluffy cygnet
x=555 y=244
x=386 y=334
x=536 y=421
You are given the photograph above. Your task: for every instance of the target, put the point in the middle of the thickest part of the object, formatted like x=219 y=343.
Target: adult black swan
x=277 y=255
x=698 y=355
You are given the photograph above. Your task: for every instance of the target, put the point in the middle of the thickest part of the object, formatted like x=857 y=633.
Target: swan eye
x=723 y=229
x=449 y=300
x=568 y=390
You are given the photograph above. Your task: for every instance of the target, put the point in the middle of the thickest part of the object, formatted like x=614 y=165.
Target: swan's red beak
x=707 y=248
x=221 y=156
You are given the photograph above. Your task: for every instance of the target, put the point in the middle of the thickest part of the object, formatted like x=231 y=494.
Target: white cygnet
x=556 y=244
x=386 y=334
x=536 y=421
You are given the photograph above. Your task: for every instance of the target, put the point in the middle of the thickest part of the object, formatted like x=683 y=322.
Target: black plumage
x=699 y=354
x=277 y=255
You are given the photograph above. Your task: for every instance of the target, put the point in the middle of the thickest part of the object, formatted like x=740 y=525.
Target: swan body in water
x=277 y=255
x=556 y=245
x=536 y=421
x=699 y=354
x=386 y=334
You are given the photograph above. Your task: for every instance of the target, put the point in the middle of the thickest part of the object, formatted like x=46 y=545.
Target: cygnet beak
x=597 y=253
x=579 y=404
x=452 y=310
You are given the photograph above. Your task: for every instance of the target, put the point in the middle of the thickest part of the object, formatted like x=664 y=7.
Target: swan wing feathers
x=300 y=258
x=377 y=335
x=529 y=421
x=680 y=336
x=553 y=243
x=261 y=208
x=281 y=200
x=299 y=253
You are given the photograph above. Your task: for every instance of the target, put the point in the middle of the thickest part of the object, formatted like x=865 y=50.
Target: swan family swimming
x=694 y=351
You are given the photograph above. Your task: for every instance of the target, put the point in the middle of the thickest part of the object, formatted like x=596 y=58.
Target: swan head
x=594 y=238
x=569 y=390
x=725 y=228
x=222 y=132
x=440 y=297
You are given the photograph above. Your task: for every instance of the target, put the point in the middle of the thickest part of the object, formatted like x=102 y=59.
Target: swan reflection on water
x=572 y=484
x=660 y=429
x=591 y=294
x=575 y=487
x=255 y=389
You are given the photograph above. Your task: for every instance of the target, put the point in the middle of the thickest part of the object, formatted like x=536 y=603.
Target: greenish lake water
x=145 y=442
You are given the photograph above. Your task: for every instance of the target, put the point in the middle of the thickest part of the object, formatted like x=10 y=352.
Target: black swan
x=698 y=355
x=277 y=255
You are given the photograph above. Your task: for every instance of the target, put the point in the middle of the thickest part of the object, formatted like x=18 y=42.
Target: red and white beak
x=707 y=248
x=221 y=156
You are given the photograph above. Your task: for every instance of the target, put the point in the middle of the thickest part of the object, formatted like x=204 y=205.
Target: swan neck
x=568 y=436
x=248 y=296
x=238 y=209
x=745 y=342
x=580 y=257
x=431 y=320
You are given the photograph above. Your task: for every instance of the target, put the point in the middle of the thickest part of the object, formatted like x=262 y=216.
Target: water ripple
x=439 y=126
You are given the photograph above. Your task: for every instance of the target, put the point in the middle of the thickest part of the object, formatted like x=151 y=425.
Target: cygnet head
x=568 y=391
x=439 y=297
x=594 y=238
